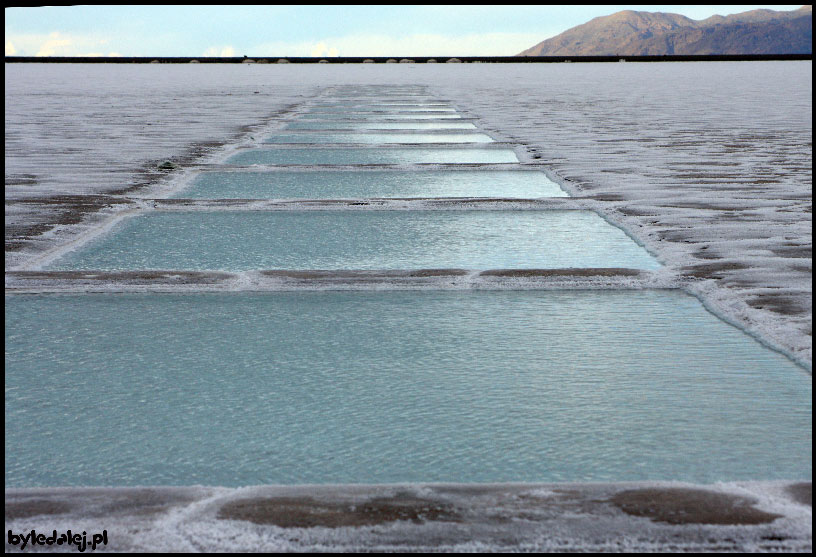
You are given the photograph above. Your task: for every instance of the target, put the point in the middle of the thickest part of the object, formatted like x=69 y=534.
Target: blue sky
x=303 y=30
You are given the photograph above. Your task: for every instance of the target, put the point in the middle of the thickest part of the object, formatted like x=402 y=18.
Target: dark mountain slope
x=633 y=33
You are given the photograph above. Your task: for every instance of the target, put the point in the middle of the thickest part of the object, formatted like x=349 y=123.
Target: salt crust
x=486 y=517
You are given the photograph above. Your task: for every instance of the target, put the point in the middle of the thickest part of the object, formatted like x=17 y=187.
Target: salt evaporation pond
x=383 y=105
x=317 y=125
x=340 y=185
x=379 y=138
x=372 y=116
x=379 y=108
x=361 y=239
x=373 y=156
x=240 y=389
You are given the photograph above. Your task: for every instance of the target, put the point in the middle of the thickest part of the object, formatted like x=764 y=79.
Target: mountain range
x=633 y=33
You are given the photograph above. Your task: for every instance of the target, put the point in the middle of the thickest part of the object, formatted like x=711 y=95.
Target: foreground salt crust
x=623 y=517
x=708 y=164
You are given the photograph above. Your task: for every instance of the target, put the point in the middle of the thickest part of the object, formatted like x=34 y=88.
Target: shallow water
x=380 y=239
x=373 y=156
x=341 y=185
x=383 y=104
x=379 y=138
x=375 y=117
x=345 y=387
x=343 y=109
x=316 y=125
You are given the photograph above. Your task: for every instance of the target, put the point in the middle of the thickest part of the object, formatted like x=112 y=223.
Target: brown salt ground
x=35 y=507
x=691 y=506
x=306 y=512
x=676 y=506
x=95 y=502
x=802 y=493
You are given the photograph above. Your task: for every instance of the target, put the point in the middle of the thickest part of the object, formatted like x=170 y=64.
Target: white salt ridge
x=257 y=281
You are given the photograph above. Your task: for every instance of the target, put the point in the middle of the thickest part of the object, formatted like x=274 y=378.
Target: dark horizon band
x=417 y=59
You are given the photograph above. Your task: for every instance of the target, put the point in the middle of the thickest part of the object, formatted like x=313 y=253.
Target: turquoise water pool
x=317 y=125
x=341 y=185
x=379 y=138
x=343 y=109
x=375 y=387
x=377 y=116
x=380 y=239
x=386 y=155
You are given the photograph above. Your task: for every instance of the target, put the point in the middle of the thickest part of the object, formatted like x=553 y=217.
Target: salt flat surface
x=708 y=164
x=74 y=129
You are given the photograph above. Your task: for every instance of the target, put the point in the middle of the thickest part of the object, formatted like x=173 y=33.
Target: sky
x=322 y=31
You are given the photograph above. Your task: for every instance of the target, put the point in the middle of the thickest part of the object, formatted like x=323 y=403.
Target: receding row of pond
x=373 y=387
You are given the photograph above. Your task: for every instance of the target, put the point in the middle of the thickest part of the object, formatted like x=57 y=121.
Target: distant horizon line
x=402 y=59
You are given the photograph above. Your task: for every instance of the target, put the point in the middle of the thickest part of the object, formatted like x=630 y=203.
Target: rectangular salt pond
x=375 y=387
x=374 y=138
x=380 y=116
x=314 y=125
x=356 y=185
x=359 y=239
x=385 y=109
x=373 y=156
x=383 y=105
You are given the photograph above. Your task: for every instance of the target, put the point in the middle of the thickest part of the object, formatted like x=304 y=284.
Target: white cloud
x=321 y=49
x=99 y=54
x=54 y=44
x=482 y=44
x=223 y=51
